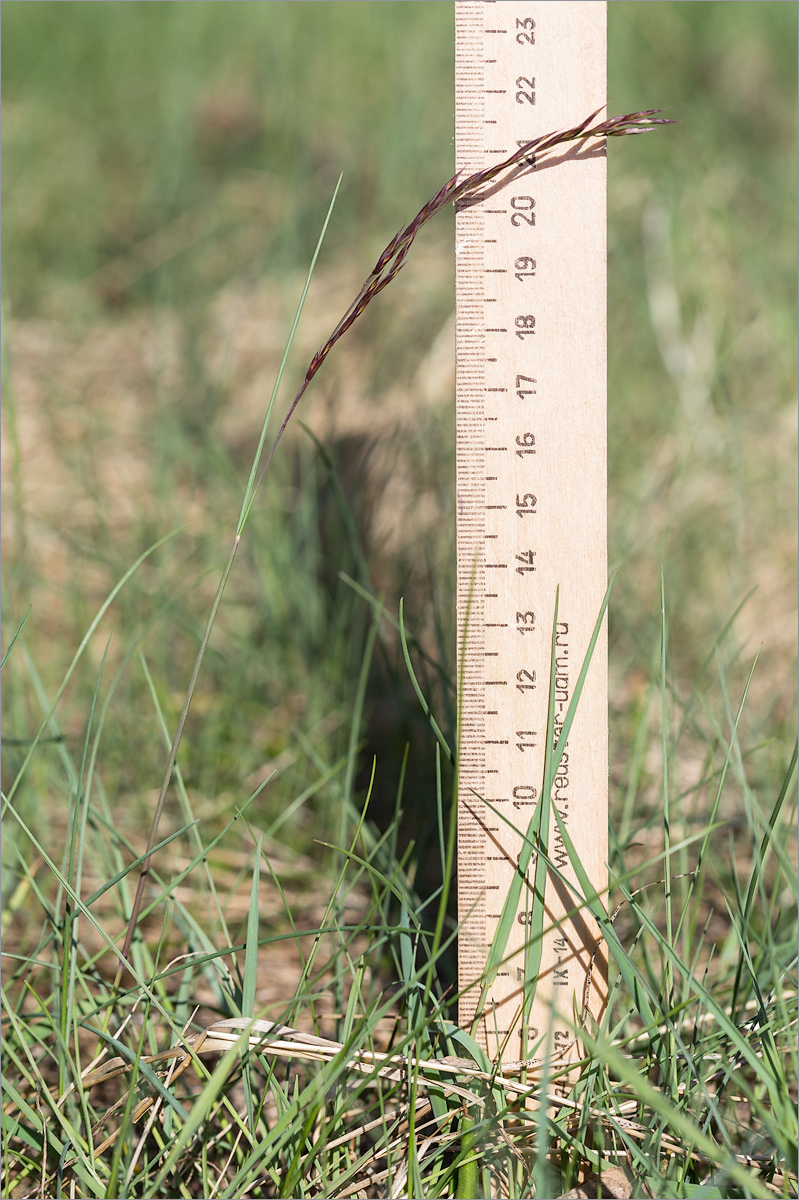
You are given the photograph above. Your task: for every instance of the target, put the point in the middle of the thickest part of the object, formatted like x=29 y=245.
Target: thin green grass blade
x=469 y=1170
x=87 y=637
x=715 y=807
x=447 y=877
x=442 y=849
x=126 y=1121
x=250 y=981
x=769 y=840
x=636 y=984
x=713 y=653
x=72 y=1139
x=540 y=836
x=14 y=638
x=709 y=1001
x=412 y=674
x=136 y=862
x=191 y=821
x=200 y=1109
x=74 y=874
x=355 y=727
x=389 y=617
x=571 y=712
x=538 y=827
x=253 y=931
x=78 y=904
x=252 y=481
x=676 y=1118
x=783 y=1107
x=343 y=506
x=288 y=812
x=668 y=976
x=247 y=502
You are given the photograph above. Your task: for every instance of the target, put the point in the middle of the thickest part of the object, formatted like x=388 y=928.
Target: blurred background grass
x=166 y=168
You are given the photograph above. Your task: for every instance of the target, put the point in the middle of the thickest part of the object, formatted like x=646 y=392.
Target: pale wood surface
x=564 y=409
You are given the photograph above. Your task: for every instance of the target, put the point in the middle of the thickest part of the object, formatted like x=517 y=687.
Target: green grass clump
x=167 y=171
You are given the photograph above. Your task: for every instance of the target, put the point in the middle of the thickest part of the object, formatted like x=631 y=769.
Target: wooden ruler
x=531 y=503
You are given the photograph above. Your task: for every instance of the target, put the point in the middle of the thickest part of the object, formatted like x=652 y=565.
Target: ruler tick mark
x=560 y=297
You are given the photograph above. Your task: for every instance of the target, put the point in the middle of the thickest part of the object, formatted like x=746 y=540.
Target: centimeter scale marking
x=531 y=499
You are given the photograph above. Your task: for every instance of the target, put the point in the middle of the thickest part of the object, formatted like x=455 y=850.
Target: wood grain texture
x=532 y=497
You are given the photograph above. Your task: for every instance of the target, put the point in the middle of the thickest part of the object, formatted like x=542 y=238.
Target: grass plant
x=271 y=1012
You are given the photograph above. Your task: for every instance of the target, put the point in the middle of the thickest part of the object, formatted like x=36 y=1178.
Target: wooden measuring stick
x=531 y=504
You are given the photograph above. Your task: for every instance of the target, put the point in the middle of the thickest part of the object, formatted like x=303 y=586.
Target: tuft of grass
x=286 y=1027
x=687 y=1087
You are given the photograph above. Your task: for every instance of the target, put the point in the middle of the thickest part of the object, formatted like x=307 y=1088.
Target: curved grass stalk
x=458 y=190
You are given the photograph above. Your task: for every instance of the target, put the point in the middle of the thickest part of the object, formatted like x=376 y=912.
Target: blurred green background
x=166 y=169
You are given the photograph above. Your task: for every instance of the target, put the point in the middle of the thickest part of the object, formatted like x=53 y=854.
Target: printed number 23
x=526 y=23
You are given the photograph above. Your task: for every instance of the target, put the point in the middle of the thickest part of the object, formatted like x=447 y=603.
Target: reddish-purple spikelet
x=456 y=190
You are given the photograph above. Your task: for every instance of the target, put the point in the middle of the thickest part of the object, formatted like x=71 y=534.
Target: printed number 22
x=526 y=93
